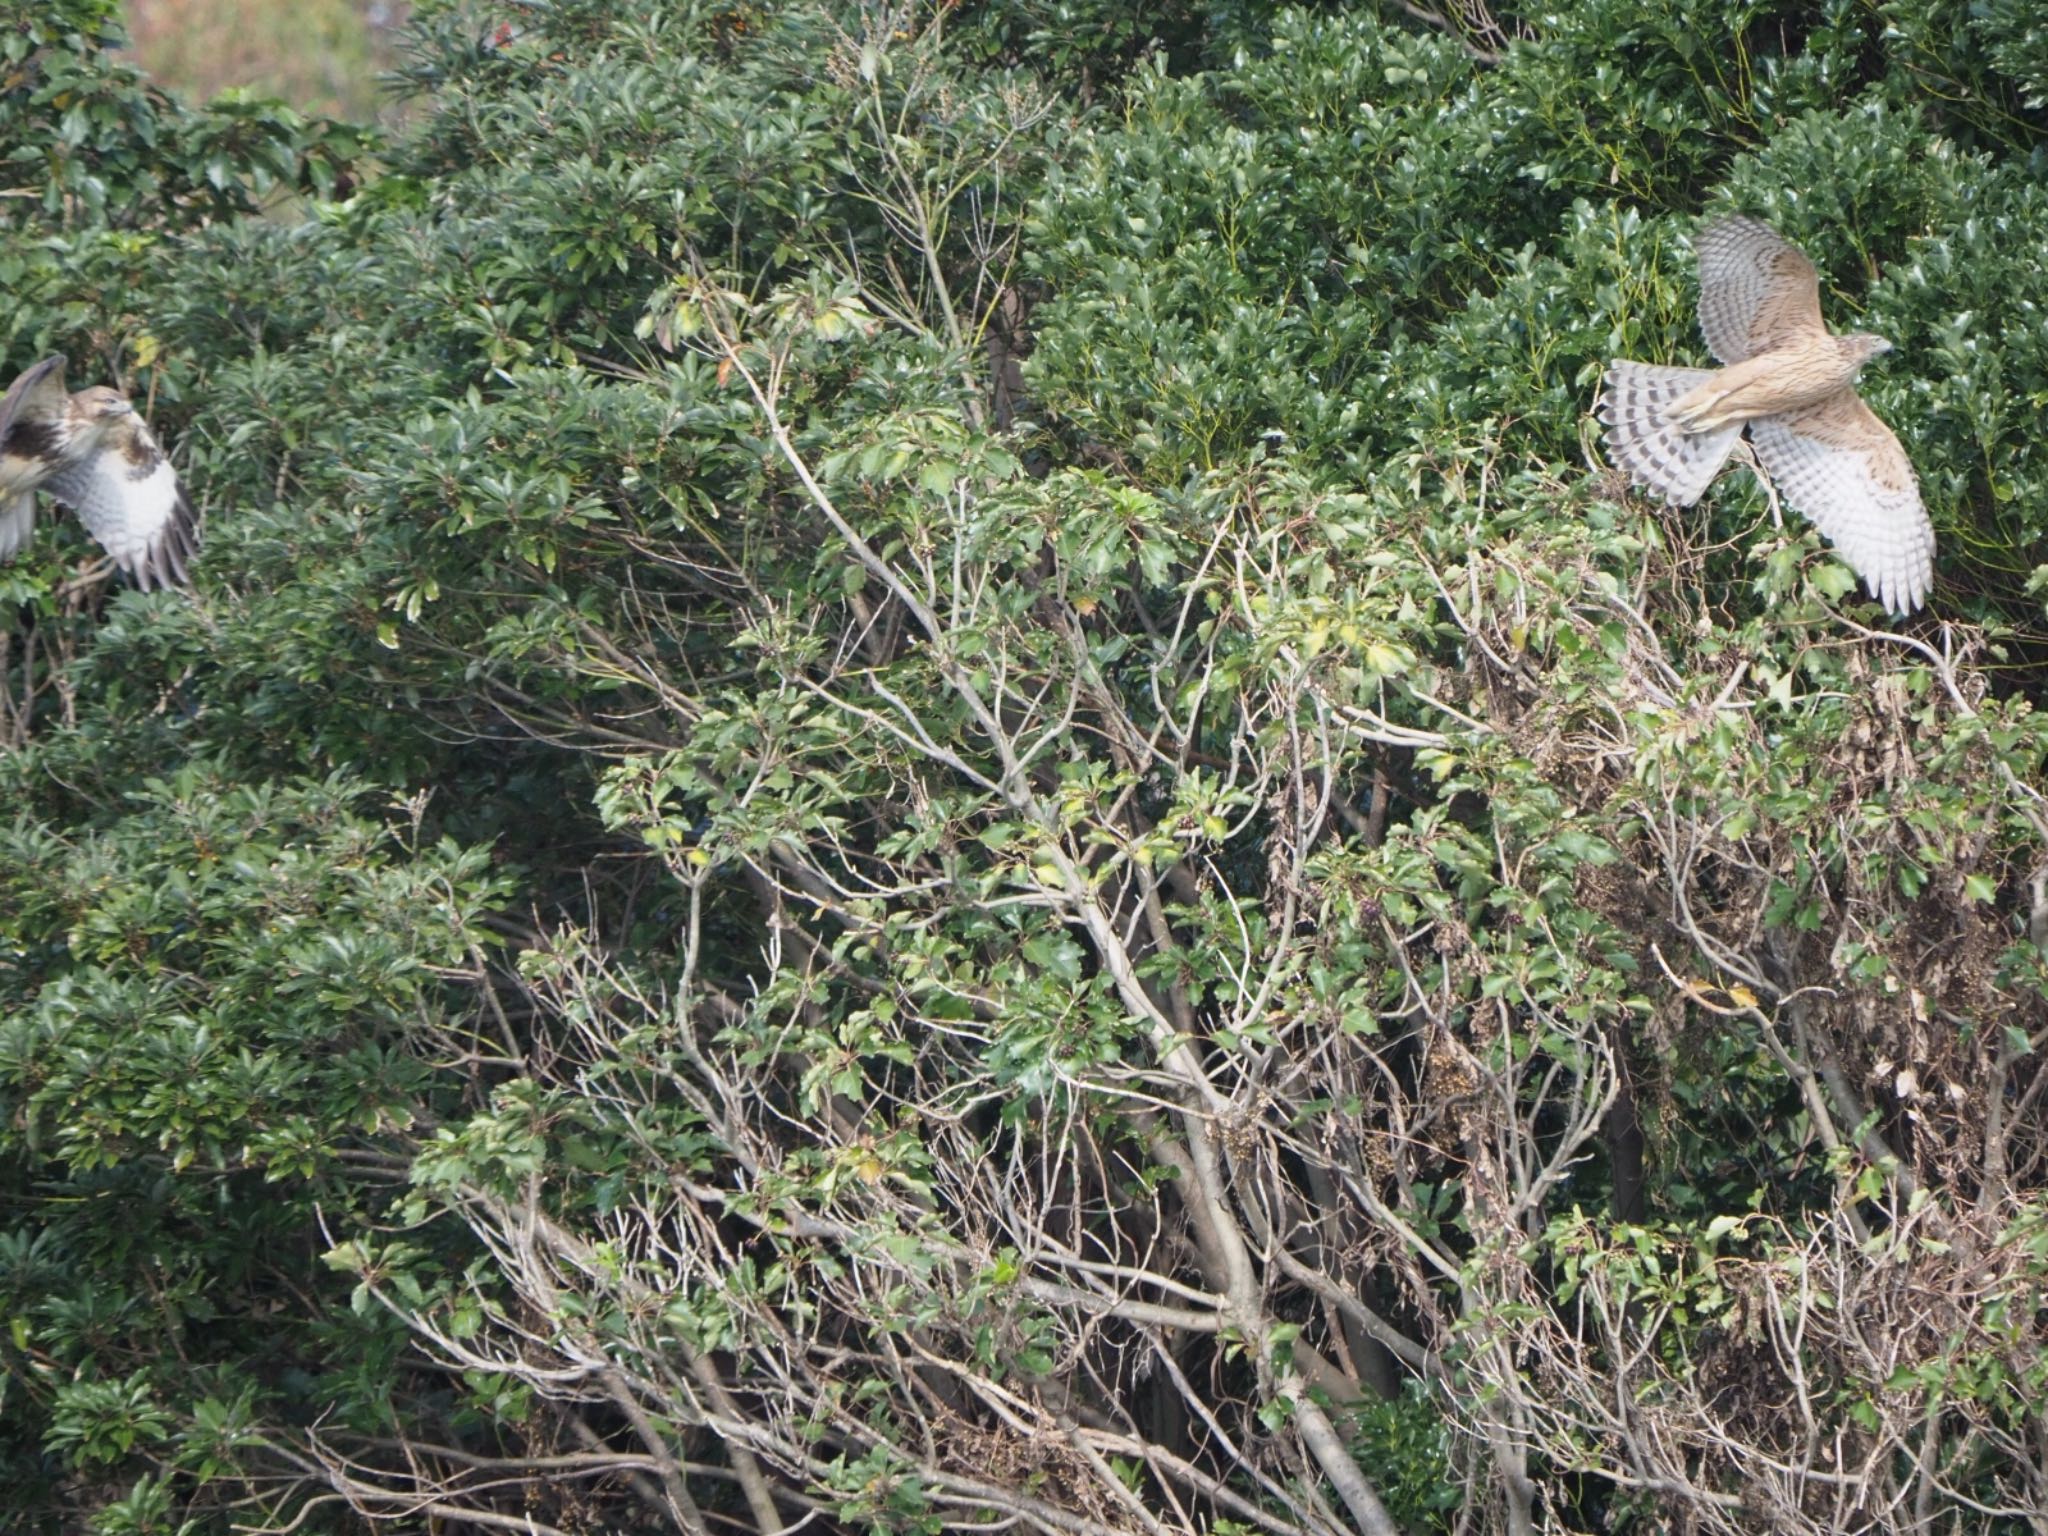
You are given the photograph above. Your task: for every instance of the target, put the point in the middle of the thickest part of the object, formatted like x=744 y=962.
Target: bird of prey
x=91 y=451
x=1793 y=385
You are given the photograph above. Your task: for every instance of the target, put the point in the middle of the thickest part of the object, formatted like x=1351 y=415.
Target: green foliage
x=208 y=1001
x=918 y=771
x=1406 y=1442
x=98 y=1421
x=2016 y=42
x=112 y=166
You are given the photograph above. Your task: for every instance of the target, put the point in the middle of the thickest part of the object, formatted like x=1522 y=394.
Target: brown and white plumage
x=1758 y=292
x=1653 y=449
x=92 y=452
x=1791 y=384
x=1843 y=468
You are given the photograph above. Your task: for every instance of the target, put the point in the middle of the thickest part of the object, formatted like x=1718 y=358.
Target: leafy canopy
x=921 y=779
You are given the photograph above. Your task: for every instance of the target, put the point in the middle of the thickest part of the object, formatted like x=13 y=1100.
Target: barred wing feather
x=128 y=498
x=1758 y=292
x=1839 y=465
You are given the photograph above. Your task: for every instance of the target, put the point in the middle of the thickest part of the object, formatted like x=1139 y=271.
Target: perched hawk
x=92 y=452
x=1793 y=385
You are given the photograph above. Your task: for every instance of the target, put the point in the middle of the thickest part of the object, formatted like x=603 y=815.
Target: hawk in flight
x=1793 y=385
x=92 y=452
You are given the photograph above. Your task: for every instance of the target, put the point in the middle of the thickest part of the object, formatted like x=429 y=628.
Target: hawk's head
x=101 y=404
x=1859 y=347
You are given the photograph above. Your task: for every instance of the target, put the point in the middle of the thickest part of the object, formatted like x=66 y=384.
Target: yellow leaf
x=1385 y=660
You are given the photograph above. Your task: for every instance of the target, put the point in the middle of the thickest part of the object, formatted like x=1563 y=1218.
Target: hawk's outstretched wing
x=31 y=421
x=93 y=453
x=1758 y=292
x=31 y=426
x=1843 y=468
x=1792 y=386
x=126 y=494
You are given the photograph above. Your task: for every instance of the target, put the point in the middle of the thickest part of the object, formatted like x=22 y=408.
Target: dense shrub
x=922 y=778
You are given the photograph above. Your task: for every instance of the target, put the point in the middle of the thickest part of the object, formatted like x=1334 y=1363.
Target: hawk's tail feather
x=17 y=521
x=1676 y=464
